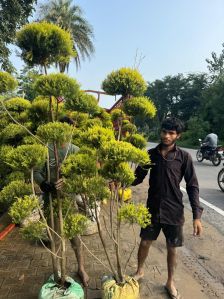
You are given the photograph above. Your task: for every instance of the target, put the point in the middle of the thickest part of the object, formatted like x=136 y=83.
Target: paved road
x=207 y=177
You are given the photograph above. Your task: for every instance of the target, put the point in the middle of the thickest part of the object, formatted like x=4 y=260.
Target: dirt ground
x=200 y=270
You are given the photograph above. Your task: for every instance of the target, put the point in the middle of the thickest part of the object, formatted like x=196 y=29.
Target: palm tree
x=70 y=17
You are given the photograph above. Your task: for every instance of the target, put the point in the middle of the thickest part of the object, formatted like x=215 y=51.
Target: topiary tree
x=44 y=44
x=16 y=110
x=140 y=106
x=125 y=82
x=101 y=159
x=7 y=82
x=90 y=170
x=83 y=102
x=137 y=140
x=57 y=85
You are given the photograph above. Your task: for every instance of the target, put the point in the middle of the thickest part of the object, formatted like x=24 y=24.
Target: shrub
x=83 y=102
x=55 y=132
x=7 y=82
x=57 y=85
x=17 y=105
x=125 y=81
x=137 y=140
x=141 y=106
x=13 y=190
x=25 y=157
x=135 y=213
x=23 y=208
x=44 y=44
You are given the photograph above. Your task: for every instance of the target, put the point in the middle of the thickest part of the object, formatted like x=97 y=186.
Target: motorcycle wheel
x=216 y=159
x=220 y=179
x=199 y=156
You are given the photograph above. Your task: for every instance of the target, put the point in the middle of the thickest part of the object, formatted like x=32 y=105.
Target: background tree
x=26 y=80
x=213 y=109
x=180 y=96
x=70 y=17
x=196 y=127
x=13 y=14
x=216 y=64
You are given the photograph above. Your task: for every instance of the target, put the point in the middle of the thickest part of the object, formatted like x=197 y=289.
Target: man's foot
x=138 y=275
x=84 y=277
x=172 y=292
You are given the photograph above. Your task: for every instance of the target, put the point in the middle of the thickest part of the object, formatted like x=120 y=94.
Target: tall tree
x=26 y=80
x=70 y=17
x=216 y=64
x=166 y=93
x=213 y=108
x=178 y=95
x=13 y=14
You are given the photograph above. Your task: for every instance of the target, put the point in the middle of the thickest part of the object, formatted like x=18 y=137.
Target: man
x=40 y=176
x=210 y=142
x=169 y=164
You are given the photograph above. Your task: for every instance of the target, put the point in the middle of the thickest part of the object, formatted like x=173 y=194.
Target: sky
x=173 y=36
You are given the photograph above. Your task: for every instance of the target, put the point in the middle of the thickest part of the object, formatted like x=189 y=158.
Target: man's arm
x=140 y=174
x=40 y=177
x=193 y=194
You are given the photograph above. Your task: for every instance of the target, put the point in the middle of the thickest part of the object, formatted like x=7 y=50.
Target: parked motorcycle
x=214 y=155
x=220 y=179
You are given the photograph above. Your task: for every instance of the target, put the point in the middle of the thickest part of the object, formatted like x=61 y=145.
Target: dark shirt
x=164 y=196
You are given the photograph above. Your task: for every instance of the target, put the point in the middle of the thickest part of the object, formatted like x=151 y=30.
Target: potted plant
x=44 y=44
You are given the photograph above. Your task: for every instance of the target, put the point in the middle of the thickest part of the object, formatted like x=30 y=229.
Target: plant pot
x=128 y=290
x=91 y=228
x=33 y=217
x=127 y=194
x=51 y=290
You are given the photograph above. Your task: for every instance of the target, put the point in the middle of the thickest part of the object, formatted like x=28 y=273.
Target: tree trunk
x=53 y=256
x=117 y=244
x=104 y=246
x=61 y=221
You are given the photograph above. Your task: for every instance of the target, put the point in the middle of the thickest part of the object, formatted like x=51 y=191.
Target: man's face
x=169 y=137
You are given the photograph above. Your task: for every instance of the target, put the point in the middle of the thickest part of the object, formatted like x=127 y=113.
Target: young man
x=169 y=164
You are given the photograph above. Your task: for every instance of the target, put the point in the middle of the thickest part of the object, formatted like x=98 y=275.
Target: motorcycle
x=214 y=155
x=220 y=179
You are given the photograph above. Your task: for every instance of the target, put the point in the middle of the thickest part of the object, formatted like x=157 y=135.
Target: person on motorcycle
x=210 y=143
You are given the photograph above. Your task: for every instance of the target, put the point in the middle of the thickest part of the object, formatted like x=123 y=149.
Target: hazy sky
x=175 y=36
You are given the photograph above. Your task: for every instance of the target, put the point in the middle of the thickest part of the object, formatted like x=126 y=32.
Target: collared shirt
x=164 y=196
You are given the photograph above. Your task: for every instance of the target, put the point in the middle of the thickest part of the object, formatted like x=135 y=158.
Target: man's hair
x=173 y=124
x=66 y=119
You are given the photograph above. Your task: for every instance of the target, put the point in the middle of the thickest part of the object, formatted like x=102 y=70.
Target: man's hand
x=197 y=227
x=47 y=186
x=59 y=184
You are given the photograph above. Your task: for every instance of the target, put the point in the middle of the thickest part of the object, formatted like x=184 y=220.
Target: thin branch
x=47 y=226
x=51 y=252
x=105 y=248
x=94 y=255
x=135 y=243
x=111 y=236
